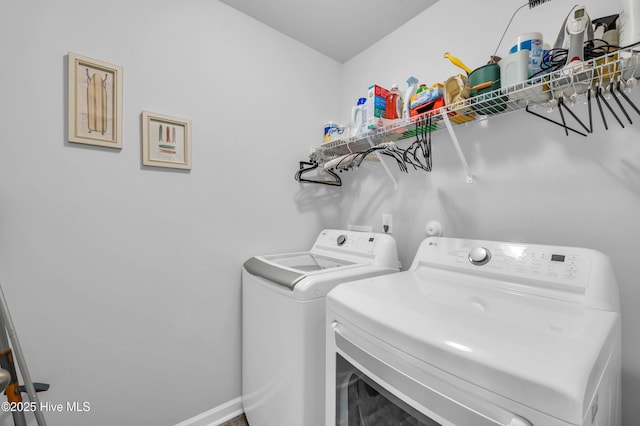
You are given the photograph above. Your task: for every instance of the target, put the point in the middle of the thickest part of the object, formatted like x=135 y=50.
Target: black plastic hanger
x=624 y=95
x=563 y=125
x=313 y=166
x=600 y=97
x=613 y=94
x=561 y=107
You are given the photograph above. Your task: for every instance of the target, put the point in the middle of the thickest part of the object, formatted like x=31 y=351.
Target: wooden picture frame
x=166 y=141
x=95 y=102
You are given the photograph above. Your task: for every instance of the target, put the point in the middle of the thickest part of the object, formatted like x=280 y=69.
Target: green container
x=483 y=81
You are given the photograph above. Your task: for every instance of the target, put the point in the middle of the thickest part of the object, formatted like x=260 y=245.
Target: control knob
x=341 y=239
x=479 y=255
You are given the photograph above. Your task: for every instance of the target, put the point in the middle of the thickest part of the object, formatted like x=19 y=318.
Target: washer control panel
x=564 y=267
x=364 y=242
x=352 y=243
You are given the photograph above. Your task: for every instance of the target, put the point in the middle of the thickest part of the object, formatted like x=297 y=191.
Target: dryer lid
x=543 y=353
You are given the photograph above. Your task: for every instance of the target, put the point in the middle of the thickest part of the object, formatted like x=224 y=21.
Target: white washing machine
x=478 y=333
x=283 y=322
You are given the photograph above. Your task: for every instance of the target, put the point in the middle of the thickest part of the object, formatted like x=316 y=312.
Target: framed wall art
x=166 y=141
x=95 y=102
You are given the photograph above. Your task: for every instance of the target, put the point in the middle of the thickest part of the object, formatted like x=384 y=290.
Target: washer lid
x=289 y=269
x=543 y=353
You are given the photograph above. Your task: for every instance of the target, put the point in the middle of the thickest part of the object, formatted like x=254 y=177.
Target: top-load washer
x=478 y=333
x=283 y=322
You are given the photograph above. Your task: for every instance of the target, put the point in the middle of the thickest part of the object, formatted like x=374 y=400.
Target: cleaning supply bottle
x=629 y=23
x=394 y=103
x=414 y=97
x=358 y=117
x=411 y=90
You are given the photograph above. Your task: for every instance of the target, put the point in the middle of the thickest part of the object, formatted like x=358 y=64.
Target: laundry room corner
x=531 y=182
x=124 y=279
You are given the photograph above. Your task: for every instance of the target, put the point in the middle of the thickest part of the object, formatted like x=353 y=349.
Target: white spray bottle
x=411 y=90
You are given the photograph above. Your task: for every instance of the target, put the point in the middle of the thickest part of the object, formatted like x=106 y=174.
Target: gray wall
x=533 y=184
x=123 y=280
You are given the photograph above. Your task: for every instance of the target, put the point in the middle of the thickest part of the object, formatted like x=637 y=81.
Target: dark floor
x=241 y=420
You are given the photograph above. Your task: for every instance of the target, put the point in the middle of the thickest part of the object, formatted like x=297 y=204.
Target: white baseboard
x=216 y=416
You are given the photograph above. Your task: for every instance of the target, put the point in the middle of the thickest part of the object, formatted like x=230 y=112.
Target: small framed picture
x=166 y=141
x=95 y=102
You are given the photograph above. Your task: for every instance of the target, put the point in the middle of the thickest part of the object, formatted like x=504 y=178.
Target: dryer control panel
x=560 y=269
x=540 y=262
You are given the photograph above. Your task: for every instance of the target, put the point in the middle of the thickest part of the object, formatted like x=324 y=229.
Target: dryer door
x=372 y=391
x=360 y=400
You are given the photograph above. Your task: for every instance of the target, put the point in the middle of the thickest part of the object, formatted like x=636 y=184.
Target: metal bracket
x=456 y=144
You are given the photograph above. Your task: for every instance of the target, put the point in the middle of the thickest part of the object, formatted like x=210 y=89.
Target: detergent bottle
x=394 y=103
x=358 y=117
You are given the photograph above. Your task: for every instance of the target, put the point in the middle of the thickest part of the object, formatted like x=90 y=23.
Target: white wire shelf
x=569 y=86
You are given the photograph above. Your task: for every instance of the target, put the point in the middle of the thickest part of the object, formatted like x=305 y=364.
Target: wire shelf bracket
x=456 y=144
